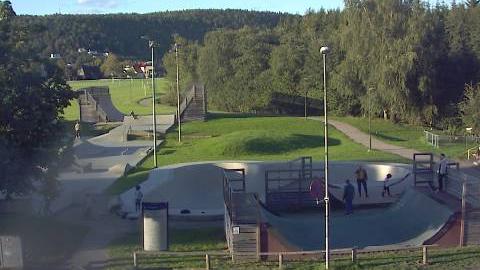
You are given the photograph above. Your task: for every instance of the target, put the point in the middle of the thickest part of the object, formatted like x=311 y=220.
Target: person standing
x=386 y=186
x=361 y=175
x=77 y=130
x=348 y=195
x=442 y=171
x=138 y=198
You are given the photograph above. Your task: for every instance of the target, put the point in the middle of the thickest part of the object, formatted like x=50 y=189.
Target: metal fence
x=439 y=140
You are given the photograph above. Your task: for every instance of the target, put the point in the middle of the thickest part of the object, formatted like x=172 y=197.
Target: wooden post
x=462 y=219
x=354 y=255
x=207 y=262
x=258 y=242
x=135 y=259
x=280 y=261
x=425 y=255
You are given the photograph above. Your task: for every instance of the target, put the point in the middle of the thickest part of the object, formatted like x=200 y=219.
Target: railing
x=464 y=187
x=437 y=140
x=472 y=152
x=431 y=138
x=188 y=98
x=282 y=256
x=230 y=183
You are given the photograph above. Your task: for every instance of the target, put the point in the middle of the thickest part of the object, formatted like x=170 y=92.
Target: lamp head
x=177 y=46
x=151 y=42
x=325 y=50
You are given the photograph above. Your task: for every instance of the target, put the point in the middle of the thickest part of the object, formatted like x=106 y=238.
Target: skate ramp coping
x=198 y=187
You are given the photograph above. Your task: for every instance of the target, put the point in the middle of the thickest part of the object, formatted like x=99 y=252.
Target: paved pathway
x=99 y=162
x=358 y=136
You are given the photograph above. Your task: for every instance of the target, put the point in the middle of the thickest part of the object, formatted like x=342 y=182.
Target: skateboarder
x=386 y=186
x=77 y=130
x=362 y=177
x=138 y=198
x=442 y=171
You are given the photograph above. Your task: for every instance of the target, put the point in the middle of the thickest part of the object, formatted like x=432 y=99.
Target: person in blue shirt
x=348 y=195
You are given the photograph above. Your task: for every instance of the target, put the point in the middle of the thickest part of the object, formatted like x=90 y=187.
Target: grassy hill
x=126 y=95
x=235 y=137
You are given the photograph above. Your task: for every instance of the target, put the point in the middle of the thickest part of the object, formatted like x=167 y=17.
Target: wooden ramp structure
x=466 y=189
x=242 y=217
x=96 y=105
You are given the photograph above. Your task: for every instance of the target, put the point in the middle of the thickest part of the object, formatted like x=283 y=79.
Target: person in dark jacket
x=348 y=195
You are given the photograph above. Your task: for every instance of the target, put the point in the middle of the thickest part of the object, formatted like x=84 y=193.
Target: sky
x=43 y=7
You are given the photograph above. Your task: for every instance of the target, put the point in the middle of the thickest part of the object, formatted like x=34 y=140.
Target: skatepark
x=275 y=194
x=409 y=217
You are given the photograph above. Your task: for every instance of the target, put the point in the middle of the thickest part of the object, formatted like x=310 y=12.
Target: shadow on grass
x=389 y=138
x=262 y=144
x=167 y=151
x=213 y=116
x=227 y=115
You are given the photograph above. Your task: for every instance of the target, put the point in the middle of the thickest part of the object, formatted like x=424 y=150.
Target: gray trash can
x=11 y=252
x=155 y=226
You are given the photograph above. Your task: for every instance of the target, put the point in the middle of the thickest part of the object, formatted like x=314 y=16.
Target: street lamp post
x=179 y=119
x=325 y=50
x=152 y=44
x=369 y=119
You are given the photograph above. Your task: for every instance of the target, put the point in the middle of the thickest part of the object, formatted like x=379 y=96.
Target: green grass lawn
x=45 y=240
x=405 y=135
x=126 y=95
x=226 y=137
x=212 y=239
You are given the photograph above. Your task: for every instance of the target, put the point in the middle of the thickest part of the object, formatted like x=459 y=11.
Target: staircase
x=88 y=112
x=194 y=105
x=472 y=227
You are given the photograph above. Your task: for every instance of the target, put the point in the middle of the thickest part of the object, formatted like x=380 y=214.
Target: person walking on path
x=348 y=195
x=442 y=171
x=138 y=198
x=386 y=186
x=362 y=177
x=77 y=130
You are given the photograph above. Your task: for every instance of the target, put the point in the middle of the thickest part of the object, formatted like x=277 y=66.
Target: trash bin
x=155 y=226
x=11 y=252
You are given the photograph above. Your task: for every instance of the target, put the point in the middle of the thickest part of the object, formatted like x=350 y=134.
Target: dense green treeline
x=402 y=60
x=120 y=33
x=405 y=60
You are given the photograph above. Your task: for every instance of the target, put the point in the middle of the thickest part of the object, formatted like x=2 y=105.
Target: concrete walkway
x=360 y=137
x=99 y=161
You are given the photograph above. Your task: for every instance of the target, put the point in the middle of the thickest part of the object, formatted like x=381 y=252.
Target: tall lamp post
x=179 y=119
x=325 y=50
x=152 y=44
x=369 y=119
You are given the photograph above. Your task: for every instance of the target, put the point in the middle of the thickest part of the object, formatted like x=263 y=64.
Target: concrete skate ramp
x=94 y=102
x=105 y=102
x=414 y=219
x=197 y=187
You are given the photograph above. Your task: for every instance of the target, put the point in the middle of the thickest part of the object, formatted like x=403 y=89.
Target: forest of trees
x=411 y=62
x=406 y=60
x=121 y=33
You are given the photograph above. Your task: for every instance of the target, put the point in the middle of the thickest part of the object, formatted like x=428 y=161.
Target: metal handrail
x=188 y=98
x=471 y=150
